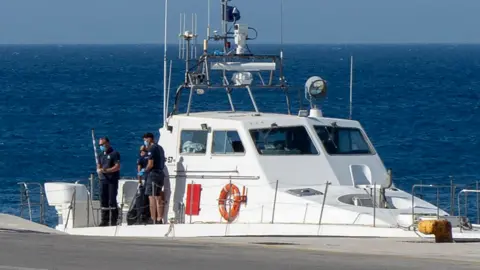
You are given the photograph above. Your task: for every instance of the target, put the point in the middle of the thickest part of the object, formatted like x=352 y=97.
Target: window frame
x=312 y=141
x=227 y=154
x=180 y=145
x=362 y=133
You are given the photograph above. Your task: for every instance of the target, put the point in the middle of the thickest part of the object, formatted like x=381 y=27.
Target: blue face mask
x=102 y=148
x=145 y=143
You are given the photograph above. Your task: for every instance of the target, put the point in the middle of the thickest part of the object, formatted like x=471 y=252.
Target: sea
x=419 y=104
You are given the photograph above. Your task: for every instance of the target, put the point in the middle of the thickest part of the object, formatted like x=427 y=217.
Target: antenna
x=281 y=38
x=224 y=25
x=165 y=109
x=208 y=26
x=281 y=27
x=193 y=43
x=195 y=34
x=180 y=40
x=351 y=85
x=169 y=84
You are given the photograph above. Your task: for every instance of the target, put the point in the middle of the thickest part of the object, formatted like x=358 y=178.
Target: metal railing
x=25 y=194
x=466 y=191
x=437 y=187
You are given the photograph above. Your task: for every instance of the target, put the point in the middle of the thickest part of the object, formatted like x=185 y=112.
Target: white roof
x=248 y=117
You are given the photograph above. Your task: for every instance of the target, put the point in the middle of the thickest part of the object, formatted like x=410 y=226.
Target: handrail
x=216 y=177
x=438 y=198
x=466 y=191
x=26 y=192
x=220 y=177
x=205 y=171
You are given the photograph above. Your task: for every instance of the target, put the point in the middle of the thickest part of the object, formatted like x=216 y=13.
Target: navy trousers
x=108 y=199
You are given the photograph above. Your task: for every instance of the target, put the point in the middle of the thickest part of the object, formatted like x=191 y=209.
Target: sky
x=305 y=21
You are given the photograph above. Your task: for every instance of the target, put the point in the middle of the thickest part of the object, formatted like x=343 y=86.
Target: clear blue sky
x=305 y=21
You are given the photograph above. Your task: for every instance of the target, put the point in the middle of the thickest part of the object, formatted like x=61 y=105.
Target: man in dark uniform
x=108 y=170
x=155 y=180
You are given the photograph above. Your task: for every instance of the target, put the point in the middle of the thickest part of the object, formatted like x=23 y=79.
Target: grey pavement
x=28 y=246
x=33 y=251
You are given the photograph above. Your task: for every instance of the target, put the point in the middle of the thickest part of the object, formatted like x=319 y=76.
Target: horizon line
x=262 y=44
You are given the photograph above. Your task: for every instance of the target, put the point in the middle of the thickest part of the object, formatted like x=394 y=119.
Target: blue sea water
x=418 y=104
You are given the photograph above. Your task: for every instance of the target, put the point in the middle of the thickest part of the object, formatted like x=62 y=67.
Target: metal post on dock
x=274 y=202
x=466 y=204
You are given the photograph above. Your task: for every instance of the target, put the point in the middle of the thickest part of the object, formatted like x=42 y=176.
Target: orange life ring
x=230 y=213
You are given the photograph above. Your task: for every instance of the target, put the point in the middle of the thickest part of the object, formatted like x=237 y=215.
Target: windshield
x=343 y=140
x=283 y=141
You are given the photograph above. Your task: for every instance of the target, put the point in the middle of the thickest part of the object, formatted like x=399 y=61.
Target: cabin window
x=282 y=141
x=343 y=140
x=227 y=142
x=193 y=141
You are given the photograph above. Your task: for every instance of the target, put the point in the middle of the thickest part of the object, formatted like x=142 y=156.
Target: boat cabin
x=267 y=145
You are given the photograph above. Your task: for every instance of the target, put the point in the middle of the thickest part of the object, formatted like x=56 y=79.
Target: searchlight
x=316 y=87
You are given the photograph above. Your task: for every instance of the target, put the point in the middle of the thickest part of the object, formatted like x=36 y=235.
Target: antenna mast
x=208 y=26
x=281 y=29
x=351 y=85
x=165 y=109
x=180 y=41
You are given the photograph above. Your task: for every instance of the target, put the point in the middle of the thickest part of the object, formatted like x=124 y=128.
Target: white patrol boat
x=252 y=173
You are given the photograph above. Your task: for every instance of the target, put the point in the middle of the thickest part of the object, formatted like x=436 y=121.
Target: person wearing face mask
x=108 y=170
x=155 y=179
x=142 y=164
x=141 y=213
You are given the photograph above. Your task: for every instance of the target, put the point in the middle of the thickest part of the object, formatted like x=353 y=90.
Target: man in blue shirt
x=108 y=170
x=155 y=180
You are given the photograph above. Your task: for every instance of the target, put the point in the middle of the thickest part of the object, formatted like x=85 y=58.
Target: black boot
x=114 y=217
x=104 y=218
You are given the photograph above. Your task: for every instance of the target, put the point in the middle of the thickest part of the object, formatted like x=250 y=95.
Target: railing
x=437 y=187
x=25 y=194
x=465 y=191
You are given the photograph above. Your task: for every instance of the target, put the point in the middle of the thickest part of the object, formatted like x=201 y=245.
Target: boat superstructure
x=257 y=173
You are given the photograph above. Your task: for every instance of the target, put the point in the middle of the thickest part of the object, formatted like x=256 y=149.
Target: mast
x=208 y=26
x=165 y=109
x=351 y=86
x=281 y=30
x=234 y=68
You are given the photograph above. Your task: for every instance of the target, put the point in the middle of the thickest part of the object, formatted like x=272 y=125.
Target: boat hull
x=245 y=230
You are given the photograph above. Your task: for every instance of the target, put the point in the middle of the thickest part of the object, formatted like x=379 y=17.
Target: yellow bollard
x=442 y=229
